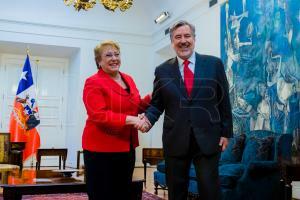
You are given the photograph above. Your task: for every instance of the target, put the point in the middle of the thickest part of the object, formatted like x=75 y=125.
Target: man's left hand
x=223 y=143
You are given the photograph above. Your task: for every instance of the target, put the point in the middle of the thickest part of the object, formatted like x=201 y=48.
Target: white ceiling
x=138 y=19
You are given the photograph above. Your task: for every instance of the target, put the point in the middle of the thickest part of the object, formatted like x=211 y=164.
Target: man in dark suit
x=192 y=89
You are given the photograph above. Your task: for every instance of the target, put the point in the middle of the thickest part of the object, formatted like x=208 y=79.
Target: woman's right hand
x=139 y=122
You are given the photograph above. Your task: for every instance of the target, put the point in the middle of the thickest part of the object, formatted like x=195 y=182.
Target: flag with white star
x=26 y=80
x=24 y=116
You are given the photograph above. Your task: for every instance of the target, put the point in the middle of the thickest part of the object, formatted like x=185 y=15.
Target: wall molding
x=76 y=33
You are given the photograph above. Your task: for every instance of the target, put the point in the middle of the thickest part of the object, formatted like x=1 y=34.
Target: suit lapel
x=175 y=73
x=200 y=73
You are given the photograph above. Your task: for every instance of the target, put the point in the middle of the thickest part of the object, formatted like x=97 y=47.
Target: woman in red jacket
x=109 y=138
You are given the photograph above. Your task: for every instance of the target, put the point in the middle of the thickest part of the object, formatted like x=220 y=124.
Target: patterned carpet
x=76 y=196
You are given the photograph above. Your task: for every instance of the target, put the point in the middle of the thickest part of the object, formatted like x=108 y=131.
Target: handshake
x=139 y=122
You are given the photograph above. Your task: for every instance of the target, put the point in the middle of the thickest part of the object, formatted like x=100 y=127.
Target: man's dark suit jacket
x=207 y=112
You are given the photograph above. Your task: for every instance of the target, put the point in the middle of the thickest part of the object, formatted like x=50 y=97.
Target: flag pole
x=28 y=53
x=37 y=65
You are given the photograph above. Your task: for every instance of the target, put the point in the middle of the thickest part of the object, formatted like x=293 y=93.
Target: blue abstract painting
x=260 y=47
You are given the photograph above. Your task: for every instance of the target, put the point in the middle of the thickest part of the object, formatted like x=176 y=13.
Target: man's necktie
x=188 y=77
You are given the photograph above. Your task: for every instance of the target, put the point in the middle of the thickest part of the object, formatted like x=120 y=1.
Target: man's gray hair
x=179 y=24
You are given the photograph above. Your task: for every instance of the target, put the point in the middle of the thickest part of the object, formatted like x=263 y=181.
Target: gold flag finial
x=27 y=49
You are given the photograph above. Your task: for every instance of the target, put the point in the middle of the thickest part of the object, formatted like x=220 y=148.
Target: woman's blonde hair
x=100 y=47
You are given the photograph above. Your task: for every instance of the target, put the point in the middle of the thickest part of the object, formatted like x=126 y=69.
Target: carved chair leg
x=156 y=187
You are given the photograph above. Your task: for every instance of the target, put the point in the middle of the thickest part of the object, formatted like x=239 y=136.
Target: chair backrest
x=262 y=133
x=4 y=147
x=282 y=146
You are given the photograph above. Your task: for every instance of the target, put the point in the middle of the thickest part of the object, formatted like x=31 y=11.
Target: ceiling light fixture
x=110 y=5
x=162 y=17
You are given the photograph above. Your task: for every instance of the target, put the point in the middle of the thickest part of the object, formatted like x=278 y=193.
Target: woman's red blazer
x=107 y=105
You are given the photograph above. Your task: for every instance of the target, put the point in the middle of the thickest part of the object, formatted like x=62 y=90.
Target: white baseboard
x=139 y=164
x=296 y=189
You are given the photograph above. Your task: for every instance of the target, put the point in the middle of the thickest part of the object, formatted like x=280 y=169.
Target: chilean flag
x=24 y=116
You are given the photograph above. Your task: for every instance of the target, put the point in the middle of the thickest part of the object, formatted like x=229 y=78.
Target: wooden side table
x=291 y=172
x=151 y=156
x=62 y=153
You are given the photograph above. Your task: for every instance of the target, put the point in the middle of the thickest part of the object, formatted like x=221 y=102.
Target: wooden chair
x=16 y=156
x=10 y=154
x=78 y=160
x=78 y=166
x=4 y=148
